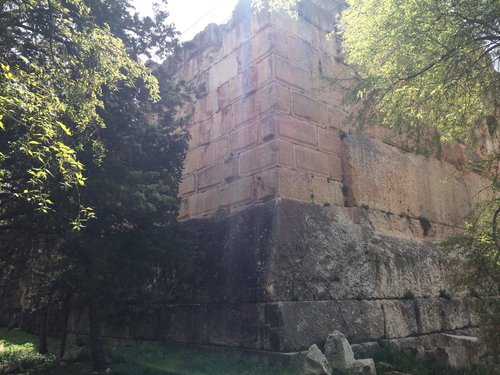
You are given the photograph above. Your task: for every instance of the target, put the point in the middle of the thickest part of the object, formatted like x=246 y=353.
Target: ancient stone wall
x=304 y=225
x=260 y=125
x=266 y=124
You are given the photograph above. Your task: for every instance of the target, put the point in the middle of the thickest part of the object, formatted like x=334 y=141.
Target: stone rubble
x=316 y=363
x=363 y=367
x=338 y=351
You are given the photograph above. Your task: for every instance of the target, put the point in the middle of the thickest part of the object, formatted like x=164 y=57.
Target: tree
x=55 y=60
x=127 y=156
x=120 y=253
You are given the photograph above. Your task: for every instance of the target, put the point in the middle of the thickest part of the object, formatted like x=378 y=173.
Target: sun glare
x=191 y=16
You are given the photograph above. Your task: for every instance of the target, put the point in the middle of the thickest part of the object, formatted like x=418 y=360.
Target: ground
x=139 y=358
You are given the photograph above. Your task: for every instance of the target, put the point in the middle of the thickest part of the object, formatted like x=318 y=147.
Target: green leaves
x=425 y=63
x=51 y=92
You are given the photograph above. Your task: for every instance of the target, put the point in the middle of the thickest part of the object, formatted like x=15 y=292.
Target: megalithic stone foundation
x=304 y=225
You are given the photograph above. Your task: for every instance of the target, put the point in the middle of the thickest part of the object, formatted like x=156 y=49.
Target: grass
x=164 y=360
x=407 y=364
x=133 y=359
x=20 y=348
x=146 y=359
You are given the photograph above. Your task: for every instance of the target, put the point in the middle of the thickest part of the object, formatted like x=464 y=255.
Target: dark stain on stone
x=425 y=224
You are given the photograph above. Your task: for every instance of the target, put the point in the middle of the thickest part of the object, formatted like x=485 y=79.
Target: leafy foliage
x=479 y=248
x=19 y=348
x=87 y=138
x=426 y=63
x=55 y=63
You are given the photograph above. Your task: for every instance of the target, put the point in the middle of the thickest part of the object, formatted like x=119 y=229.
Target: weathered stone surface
x=266 y=185
x=365 y=349
x=312 y=160
x=338 y=352
x=327 y=192
x=307 y=322
x=237 y=192
x=413 y=185
x=295 y=185
x=293 y=75
x=188 y=184
x=400 y=318
x=329 y=141
x=320 y=270
x=216 y=150
x=244 y=137
x=322 y=255
x=315 y=362
x=440 y=314
x=292 y=129
x=258 y=158
x=363 y=366
x=308 y=108
x=210 y=176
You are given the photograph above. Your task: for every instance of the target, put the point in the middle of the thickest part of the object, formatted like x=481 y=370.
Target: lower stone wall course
x=281 y=275
x=258 y=158
x=400 y=317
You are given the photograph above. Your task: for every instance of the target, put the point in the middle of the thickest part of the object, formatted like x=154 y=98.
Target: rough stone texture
x=278 y=276
x=413 y=185
x=315 y=362
x=259 y=79
x=338 y=351
x=363 y=367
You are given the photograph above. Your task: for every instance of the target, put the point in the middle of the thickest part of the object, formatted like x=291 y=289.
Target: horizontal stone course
x=308 y=108
x=280 y=326
x=384 y=178
x=293 y=75
x=258 y=158
x=210 y=176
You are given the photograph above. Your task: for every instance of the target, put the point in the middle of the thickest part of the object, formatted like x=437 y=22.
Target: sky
x=191 y=16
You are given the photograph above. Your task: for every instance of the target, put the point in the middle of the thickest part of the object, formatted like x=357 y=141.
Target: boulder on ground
x=338 y=352
x=316 y=363
x=363 y=367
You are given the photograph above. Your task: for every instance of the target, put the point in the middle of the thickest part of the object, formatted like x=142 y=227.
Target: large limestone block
x=338 y=352
x=400 y=318
x=308 y=322
x=386 y=179
x=440 y=314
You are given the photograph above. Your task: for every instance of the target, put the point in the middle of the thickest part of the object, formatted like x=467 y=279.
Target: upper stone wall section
x=259 y=118
x=266 y=124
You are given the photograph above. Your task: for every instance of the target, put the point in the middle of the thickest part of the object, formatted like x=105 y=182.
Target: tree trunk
x=96 y=348
x=64 y=333
x=42 y=333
